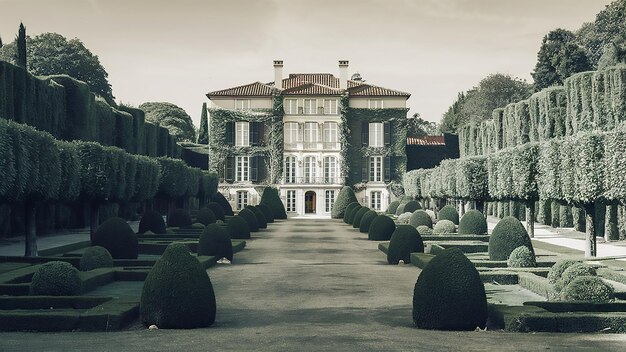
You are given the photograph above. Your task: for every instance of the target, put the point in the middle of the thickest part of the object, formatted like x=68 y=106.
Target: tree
x=172 y=117
x=613 y=53
x=21 y=46
x=418 y=127
x=610 y=24
x=203 y=134
x=51 y=53
x=1 y=45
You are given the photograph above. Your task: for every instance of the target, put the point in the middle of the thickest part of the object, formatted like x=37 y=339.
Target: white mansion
x=313 y=140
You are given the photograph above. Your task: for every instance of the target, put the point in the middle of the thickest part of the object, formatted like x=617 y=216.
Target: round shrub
x=56 y=279
x=522 y=257
x=393 y=206
x=412 y=206
x=151 y=221
x=400 y=208
x=449 y=294
x=221 y=200
x=433 y=217
x=424 y=230
x=356 y=221
x=177 y=293
x=271 y=198
x=473 y=223
x=404 y=241
x=404 y=218
x=350 y=209
x=558 y=268
x=589 y=289
x=118 y=238
x=345 y=197
x=444 y=226
x=508 y=234
x=267 y=212
x=366 y=221
x=198 y=226
x=250 y=218
x=574 y=271
x=260 y=218
x=449 y=212
x=179 y=218
x=215 y=241
x=420 y=218
x=206 y=216
x=217 y=210
x=238 y=228
x=381 y=228
x=95 y=257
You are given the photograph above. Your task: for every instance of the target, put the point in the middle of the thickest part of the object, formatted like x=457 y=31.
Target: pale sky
x=177 y=51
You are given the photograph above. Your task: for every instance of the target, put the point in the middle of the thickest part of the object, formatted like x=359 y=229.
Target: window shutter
x=262 y=172
x=254 y=169
x=364 y=164
x=255 y=132
x=365 y=135
x=387 y=167
x=387 y=131
x=230 y=133
x=230 y=168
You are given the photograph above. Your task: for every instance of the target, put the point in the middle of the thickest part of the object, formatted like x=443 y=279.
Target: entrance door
x=309 y=202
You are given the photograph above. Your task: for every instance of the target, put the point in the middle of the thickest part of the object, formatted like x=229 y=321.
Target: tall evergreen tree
x=21 y=46
x=1 y=45
x=203 y=134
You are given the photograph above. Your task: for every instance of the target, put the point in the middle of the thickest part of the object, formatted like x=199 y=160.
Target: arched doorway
x=309 y=202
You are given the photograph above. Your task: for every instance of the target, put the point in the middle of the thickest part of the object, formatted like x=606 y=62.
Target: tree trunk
x=30 y=212
x=480 y=206
x=611 y=232
x=94 y=218
x=530 y=219
x=590 y=234
x=462 y=207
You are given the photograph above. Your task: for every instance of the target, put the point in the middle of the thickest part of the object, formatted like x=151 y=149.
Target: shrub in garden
x=56 y=279
x=444 y=226
x=449 y=212
x=95 y=257
x=433 y=217
x=508 y=234
x=420 y=218
x=198 y=226
x=221 y=200
x=574 y=271
x=271 y=198
x=473 y=223
x=449 y=294
x=151 y=221
x=238 y=228
x=424 y=230
x=412 y=206
x=366 y=221
x=177 y=293
x=260 y=218
x=267 y=212
x=217 y=210
x=179 y=218
x=215 y=241
x=356 y=219
x=118 y=238
x=404 y=241
x=381 y=228
x=345 y=197
x=558 y=268
x=400 y=208
x=350 y=212
x=250 y=218
x=404 y=218
x=393 y=206
x=522 y=257
x=206 y=216
x=589 y=289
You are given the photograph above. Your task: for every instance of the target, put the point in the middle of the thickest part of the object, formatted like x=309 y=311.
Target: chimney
x=278 y=74
x=343 y=74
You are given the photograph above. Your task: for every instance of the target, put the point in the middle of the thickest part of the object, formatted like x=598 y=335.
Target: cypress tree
x=21 y=46
x=203 y=134
x=1 y=45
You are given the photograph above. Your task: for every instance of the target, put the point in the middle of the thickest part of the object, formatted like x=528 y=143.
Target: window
x=242 y=199
x=242 y=134
x=310 y=133
x=330 y=106
x=376 y=169
x=375 y=103
x=375 y=200
x=330 y=169
x=376 y=134
x=291 y=106
x=330 y=200
x=310 y=106
x=291 y=201
x=330 y=132
x=243 y=169
x=290 y=169
x=309 y=169
x=242 y=104
x=291 y=133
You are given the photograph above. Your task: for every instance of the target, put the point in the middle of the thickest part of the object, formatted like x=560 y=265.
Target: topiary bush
x=356 y=221
x=95 y=257
x=221 y=200
x=238 y=228
x=449 y=212
x=250 y=218
x=400 y=209
x=260 y=218
x=508 y=234
x=177 y=293
x=522 y=257
x=215 y=241
x=366 y=221
x=404 y=241
x=271 y=198
x=56 y=279
x=558 y=268
x=267 y=211
x=444 y=226
x=217 y=210
x=206 y=216
x=349 y=212
x=345 y=197
x=473 y=223
x=449 y=294
x=574 y=271
x=424 y=230
x=420 y=218
x=151 y=221
x=411 y=206
x=381 y=228
x=118 y=238
x=404 y=218
x=179 y=218
x=393 y=206
x=589 y=289
x=433 y=217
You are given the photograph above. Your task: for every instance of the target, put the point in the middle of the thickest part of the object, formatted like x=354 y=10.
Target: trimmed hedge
x=56 y=279
x=347 y=215
x=118 y=238
x=403 y=218
x=420 y=218
x=366 y=221
x=588 y=289
x=217 y=210
x=424 y=230
x=473 y=223
x=508 y=234
x=152 y=221
x=271 y=198
x=221 y=200
x=522 y=257
x=449 y=212
x=393 y=206
x=177 y=294
x=412 y=206
x=260 y=218
x=345 y=197
x=206 y=216
x=572 y=272
x=216 y=242
x=400 y=209
x=404 y=241
x=356 y=221
x=381 y=228
x=238 y=228
x=444 y=226
x=267 y=212
x=249 y=216
x=95 y=257
x=179 y=218
x=558 y=268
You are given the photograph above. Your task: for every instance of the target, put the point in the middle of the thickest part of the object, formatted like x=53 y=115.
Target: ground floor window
x=375 y=200
x=291 y=201
x=242 y=199
x=376 y=169
x=330 y=200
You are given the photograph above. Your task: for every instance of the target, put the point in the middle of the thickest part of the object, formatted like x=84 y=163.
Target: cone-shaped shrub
x=271 y=198
x=219 y=199
x=356 y=220
x=448 y=212
x=350 y=209
x=420 y=218
x=217 y=210
x=381 y=228
x=400 y=208
x=260 y=218
x=215 y=241
x=151 y=221
x=267 y=211
x=95 y=257
x=588 y=289
x=393 y=206
x=179 y=218
x=250 y=218
x=522 y=257
x=444 y=226
x=206 y=216
x=366 y=221
x=56 y=279
x=449 y=294
x=404 y=241
x=508 y=234
x=238 y=228
x=118 y=238
x=473 y=223
x=177 y=293
x=412 y=206
x=345 y=197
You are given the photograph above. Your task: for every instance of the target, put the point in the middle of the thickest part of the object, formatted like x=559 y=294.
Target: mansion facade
x=308 y=135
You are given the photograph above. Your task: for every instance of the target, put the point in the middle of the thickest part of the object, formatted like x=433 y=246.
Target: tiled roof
x=256 y=89
x=426 y=140
x=298 y=79
x=312 y=89
x=368 y=90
